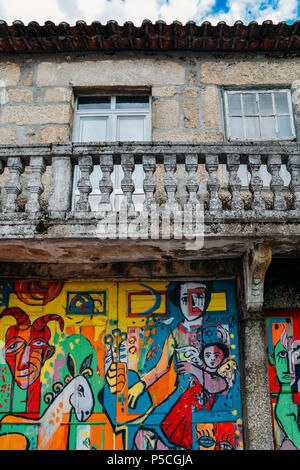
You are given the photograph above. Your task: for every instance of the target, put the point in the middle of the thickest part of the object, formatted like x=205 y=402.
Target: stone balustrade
x=232 y=182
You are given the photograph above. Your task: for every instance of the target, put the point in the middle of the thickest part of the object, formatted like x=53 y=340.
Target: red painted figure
x=26 y=350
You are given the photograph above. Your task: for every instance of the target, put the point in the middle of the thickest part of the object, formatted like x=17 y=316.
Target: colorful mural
x=127 y=365
x=283 y=342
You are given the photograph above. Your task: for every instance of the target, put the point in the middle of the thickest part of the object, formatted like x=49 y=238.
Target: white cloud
x=249 y=10
x=185 y=10
x=285 y=10
x=31 y=10
x=131 y=10
x=138 y=10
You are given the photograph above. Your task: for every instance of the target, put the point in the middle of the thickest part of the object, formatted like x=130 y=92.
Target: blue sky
x=137 y=10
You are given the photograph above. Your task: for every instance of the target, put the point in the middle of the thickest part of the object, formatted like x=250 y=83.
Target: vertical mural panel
x=128 y=365
x=178 y=380
x=283 y=343
x=53 y=357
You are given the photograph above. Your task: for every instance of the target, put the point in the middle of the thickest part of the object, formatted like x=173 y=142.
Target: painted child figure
x=212 y=373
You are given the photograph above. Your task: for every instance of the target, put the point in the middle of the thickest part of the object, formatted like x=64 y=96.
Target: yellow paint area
x=218 y=302
x=142 y=302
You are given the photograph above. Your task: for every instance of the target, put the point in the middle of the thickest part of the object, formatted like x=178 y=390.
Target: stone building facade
x=104 y=297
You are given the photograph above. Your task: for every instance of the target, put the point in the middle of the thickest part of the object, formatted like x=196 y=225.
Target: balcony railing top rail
x=94 y=149
x=231 y=180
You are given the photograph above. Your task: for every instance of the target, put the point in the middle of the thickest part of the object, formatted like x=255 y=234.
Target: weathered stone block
x=28 y=114
x=54 y=134
x=230 y=72
x=9 y=73
x=210 y=106
x=29 y=79
x=122 y=72
x=165 y=114
x=8 y=135
x=187 y=136
x=164 y=91
x=20 y=95
x=192 y=78
x=58 y=94
x=190 y=93
x=191 y=114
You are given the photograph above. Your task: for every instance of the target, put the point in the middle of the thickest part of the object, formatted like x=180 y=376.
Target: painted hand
x=184 y=368
x=134 y=392
x=116 y=377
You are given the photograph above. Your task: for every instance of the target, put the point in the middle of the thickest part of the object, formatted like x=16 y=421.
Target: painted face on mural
x=213 y=356
x=281 y=356
x=192 y=299
x=25 y=353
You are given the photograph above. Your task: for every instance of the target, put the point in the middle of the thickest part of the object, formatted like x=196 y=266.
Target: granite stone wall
x=37 y=101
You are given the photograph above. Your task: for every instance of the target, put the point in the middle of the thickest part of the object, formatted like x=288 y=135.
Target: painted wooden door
x=283 y=343
x=127 y=365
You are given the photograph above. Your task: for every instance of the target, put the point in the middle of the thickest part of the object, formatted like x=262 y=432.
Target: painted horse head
x=81 y=397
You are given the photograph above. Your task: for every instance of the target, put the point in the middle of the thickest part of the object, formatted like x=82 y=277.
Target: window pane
x=234 y=104
x=268 y=127
x=132 y=102
x=130 y=128
x=250 y=104
x=252 y=127
x=236 y=127
x=93 y=129
x=93 y=102
x=265 y=104
x=281 y=103
x=284 y=126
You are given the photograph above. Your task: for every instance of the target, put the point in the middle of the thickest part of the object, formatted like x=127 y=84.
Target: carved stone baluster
x=37 y=167
x=213 y=184
x=61 y=180
x=105 y=184
x=234 y=182
x=170 y=183
x=13 y=186
x=293 y=166
x=84 y=184
x=256 y=184
x=276 y=184
x=127 y=184
x=191 y=165
x=149 y=164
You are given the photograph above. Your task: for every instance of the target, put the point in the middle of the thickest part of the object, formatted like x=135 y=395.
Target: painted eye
x=14 y=347
x=206 y=441
x=80 y=391
x=283 y=354
x=225 y=445
x=38 y=343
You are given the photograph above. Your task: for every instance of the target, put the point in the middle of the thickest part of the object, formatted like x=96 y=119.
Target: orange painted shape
x=13 y=442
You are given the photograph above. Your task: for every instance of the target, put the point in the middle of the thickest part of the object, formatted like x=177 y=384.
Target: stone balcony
x=238 y=194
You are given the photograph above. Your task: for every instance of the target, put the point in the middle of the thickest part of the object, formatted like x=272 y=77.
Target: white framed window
x=259 y=115
x=105 y=118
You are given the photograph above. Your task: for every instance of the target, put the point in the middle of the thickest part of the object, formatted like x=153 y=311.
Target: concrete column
x=61 y=181
x=256 y=395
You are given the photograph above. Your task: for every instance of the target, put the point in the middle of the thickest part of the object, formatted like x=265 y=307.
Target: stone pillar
x=61 y=180
x=256 y=396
